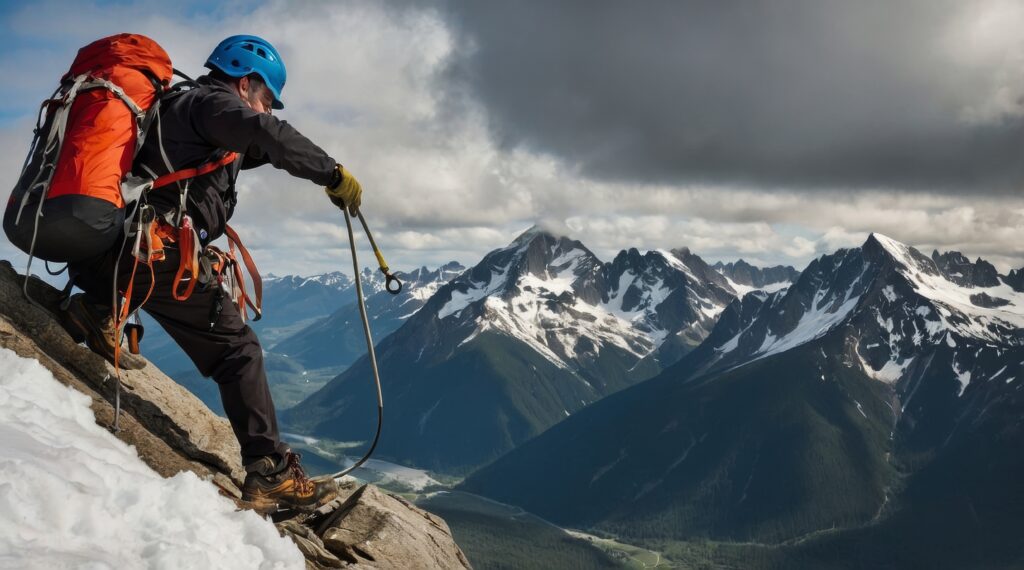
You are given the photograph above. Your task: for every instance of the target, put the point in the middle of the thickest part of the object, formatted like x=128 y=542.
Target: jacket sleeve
x=224 y=121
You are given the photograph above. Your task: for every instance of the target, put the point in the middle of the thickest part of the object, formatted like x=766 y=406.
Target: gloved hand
x=347 y=193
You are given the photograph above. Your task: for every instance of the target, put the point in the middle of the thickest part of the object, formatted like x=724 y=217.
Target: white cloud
x=985 y=42
x=366 y=82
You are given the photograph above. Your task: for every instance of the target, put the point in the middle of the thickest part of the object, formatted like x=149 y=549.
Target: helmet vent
x=261 y=53
x=234 y=62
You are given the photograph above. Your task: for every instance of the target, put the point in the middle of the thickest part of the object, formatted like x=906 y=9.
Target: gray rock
x=309 y=544
x=988 y=301
x=373 y=529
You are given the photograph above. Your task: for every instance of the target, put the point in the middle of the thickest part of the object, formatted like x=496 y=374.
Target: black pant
x=230 y=353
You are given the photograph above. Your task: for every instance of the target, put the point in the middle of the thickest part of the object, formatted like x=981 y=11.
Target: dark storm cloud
x=807 y=94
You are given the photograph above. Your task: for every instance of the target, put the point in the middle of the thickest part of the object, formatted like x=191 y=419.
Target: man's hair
x=256 y=84
x=254 y=78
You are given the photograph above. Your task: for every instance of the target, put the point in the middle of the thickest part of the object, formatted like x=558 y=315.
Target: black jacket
x=202 y=123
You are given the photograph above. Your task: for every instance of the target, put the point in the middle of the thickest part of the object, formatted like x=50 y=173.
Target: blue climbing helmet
x=239 y=56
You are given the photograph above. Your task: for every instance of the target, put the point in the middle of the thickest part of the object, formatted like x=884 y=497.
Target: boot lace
x=302 y=481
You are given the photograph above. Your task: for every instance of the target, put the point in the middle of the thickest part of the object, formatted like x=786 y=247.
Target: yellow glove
x=347 y=193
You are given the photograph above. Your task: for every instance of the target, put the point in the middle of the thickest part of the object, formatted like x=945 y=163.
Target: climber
x=227 y=111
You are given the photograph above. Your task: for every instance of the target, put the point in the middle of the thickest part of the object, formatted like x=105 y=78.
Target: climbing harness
x=390 y=279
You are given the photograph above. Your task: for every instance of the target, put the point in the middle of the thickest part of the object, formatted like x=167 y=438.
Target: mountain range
x=288 y=302
x=310 y=329
x=868 y=415
x=532 y=334
x=338 y=340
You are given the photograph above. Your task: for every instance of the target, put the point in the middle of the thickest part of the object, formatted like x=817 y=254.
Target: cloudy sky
x=773 y=131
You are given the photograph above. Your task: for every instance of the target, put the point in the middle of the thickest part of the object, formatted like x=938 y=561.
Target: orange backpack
x=68 y=204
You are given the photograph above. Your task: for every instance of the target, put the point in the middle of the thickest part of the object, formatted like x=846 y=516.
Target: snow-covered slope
x=74 y=496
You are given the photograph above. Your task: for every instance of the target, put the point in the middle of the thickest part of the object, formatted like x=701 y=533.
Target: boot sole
x=269 y=506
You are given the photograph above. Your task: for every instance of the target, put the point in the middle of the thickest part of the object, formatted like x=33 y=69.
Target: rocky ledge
x=172 y=431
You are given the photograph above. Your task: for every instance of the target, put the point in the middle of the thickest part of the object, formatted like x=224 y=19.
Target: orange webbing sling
x=254 y=274
x=188 y=264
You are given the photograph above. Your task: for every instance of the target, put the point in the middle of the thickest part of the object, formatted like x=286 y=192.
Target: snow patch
x=890 y=293
x=74 y=496
x=815 y=322
x=462 y=299
x=963 y=376
x=743 y=290
x=860 y=408
x=889 y=373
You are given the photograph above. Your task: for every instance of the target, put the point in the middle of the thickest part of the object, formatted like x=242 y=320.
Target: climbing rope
x=390 y=278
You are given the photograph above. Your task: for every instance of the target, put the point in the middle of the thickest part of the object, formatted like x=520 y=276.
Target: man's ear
x=243 y=86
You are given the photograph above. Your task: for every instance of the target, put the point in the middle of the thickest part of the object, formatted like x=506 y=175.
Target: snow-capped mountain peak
x=887 y=300
x=535 y=261
x=555 y=295
x=333 y=280
x=969 y=299
x=425 y=282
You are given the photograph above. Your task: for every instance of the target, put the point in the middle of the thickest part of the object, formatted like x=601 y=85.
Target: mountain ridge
x=535 y=331
x=827 y=404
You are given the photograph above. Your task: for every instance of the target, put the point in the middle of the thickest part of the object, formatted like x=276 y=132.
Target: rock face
x=173 y=431
x=367 y=528
x=746 y=274
x=958 y=269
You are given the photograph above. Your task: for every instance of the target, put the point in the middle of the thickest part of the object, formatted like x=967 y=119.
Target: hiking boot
x=94 y=325
x=279 y=485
